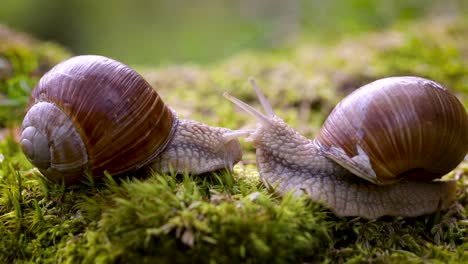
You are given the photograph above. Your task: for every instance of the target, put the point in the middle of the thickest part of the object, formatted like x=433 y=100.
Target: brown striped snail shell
x=409 y=127
x=397 y=134
x=91 y=114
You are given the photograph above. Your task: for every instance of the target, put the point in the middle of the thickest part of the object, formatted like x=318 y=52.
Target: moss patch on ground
x=224 y=217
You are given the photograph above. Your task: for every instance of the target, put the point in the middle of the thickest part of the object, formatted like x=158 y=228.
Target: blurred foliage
x=155 y=32
x=23 y=60
x=304 y=85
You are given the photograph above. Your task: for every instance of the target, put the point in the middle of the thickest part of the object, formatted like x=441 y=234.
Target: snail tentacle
x=261 y=97
x=261 y=118
x=237 y=134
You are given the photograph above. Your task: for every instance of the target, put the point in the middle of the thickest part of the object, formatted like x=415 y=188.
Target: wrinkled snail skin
x=198 y=148
x=91 y=114
x=292 y=162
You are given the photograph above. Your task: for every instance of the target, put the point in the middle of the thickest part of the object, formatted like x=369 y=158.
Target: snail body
x=396 y=134
x=91 y=114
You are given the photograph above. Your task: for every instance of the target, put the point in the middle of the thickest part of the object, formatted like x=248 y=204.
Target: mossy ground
x=224 y=217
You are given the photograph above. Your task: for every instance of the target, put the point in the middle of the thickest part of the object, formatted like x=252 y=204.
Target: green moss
x=205 y=220
x=219 y=218
x=231 y=218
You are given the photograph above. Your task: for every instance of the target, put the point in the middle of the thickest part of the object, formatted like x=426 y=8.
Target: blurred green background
x=155 y=32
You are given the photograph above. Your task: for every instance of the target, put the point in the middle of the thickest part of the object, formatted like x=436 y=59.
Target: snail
x=90 y=114
x=397 y=134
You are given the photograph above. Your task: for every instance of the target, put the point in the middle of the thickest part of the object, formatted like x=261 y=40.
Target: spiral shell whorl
x=35 y=146
x=53 y=150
